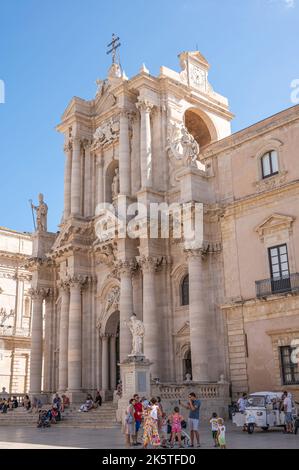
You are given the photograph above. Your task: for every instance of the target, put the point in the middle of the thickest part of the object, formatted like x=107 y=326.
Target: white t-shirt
x=214 y=424
x=242 y=404
x=154 y=412
x=287 y=405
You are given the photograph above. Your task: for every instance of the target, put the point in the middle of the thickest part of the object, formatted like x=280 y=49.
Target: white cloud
x=289 y=3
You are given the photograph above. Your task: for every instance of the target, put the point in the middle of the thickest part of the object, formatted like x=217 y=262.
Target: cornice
x=284 y=118
x=263 y=197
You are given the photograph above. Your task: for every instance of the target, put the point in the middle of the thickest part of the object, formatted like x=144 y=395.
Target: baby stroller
x=185 y=438
x=44 y=418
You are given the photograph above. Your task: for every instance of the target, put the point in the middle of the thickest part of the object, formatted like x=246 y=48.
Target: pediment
x=104 y=102
x=275 y=223
x=76 y=105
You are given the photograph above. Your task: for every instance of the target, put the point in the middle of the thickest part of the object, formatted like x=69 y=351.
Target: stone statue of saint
x=115 y=184
x=190 y=148
x=41 y=214
x=137 y=329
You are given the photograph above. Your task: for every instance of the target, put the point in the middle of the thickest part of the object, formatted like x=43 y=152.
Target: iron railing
x=277 y=285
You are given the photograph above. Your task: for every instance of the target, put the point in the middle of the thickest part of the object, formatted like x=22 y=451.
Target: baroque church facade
x=226 y=310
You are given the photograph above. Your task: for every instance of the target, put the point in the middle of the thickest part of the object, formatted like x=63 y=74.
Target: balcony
x=277 y=286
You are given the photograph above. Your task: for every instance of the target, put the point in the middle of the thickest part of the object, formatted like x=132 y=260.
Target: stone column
x=87 y=181
x=63 y=337
x=100 y=179
x=36 y=357
x=67 y=180
x=125 y=269
x=105 y=362
x=75 y=336
x=112 y=362
x=145 y=108
x=124 y=155
x=152 y=336
x=200 y=333
x=76 y=178
x=48 y=342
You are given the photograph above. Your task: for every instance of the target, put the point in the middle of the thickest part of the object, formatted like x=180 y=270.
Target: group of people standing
x=156 y=424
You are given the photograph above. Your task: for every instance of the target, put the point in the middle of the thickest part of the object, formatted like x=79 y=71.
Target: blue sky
x=51 y=50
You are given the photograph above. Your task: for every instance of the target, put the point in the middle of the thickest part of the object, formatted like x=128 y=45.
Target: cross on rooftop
x=113 y=46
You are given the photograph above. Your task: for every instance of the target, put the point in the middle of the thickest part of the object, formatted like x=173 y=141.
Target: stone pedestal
x=135 y=377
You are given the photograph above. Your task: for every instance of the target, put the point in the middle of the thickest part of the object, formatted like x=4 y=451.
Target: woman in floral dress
x=151 y=416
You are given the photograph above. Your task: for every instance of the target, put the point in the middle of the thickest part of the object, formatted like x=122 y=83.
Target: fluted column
x=105 y=362
x=198 y=318
x=87 y=179
x=112 y=362
x=100 y=179
x=47 y=386
x=75 y=335
x=145 y=108
x=152 y=335
x=36 y=357
x=67 y=180
x=124 y=154
x=76 y=178
x=125 y=269
x=63 y=337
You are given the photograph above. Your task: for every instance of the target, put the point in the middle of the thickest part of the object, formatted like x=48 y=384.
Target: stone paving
x=55 y=437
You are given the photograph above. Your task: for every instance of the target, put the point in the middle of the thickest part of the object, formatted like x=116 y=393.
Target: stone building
x=15 y=311
x=227 y=308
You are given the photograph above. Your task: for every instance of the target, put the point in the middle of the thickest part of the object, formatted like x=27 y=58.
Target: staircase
x=103 y=417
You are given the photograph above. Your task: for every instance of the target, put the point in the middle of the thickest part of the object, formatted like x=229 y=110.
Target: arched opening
x=111 y=334
x=111 y=181
x=187 y=365
x=185 y=291
x=198 y=128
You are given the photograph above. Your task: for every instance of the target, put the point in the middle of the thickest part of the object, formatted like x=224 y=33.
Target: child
x=214 y=426
x=176 y=426
x=221 y=433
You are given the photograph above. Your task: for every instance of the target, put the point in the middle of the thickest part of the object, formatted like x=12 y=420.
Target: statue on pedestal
x=41 y=214
x=115 y=185
x=137 y=329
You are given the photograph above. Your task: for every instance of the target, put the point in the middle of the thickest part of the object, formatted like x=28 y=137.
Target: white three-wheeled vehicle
x=262 y=411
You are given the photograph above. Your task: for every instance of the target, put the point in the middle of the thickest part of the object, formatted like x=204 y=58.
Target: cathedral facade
x=224 y=309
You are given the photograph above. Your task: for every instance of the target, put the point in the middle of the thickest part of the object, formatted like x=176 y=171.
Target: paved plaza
x=55 y=437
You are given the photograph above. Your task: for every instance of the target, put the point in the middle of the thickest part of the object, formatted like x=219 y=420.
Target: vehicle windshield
x=256 y=401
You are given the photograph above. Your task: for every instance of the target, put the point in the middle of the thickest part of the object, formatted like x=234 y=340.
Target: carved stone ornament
x=182 y=148
x=107 y=133
x=112 y=302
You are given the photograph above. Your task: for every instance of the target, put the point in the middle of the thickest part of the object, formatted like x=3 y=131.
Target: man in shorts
x=193 y=406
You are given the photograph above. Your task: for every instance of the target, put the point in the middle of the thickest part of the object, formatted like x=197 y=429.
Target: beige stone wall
x=15 y=311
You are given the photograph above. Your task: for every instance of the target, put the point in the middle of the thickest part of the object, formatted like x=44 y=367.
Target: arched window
x=185 y=290
x=269 y=164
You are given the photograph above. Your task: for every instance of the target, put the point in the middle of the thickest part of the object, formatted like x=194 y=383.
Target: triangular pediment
x=104 y=103
x=76 y=105
x=274 y=223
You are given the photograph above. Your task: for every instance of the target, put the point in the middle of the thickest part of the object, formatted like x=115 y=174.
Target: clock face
x=198 y=76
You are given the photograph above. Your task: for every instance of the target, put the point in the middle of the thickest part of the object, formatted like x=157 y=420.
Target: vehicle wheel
x=265 y=428
x=250 y=428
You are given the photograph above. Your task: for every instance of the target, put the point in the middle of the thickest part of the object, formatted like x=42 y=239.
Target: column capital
x=195 y=254
x=68 y=147
x=144 y=105
x=148 y=264
x=126 y=267
x=63 y=285
x=86 y=144
x=38 y=293
x=77 y=280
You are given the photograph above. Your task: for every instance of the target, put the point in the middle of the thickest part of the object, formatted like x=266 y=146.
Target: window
x=269 y=164
x=279 y=267
x=185 y=291
x=290 y=370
